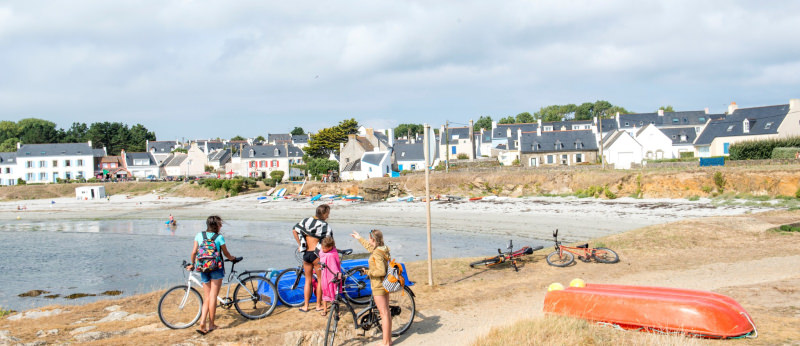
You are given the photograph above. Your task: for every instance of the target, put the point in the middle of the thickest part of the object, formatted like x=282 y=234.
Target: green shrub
x=797 y=193
x=762 y=149
x=785 y=153
x=20 y=181
x=719 y=181
x=789 y=228
x=277 y=175
x=462 y=156
x=687 y=155
x=4 y=312
x=706 y=189
x=609 y=194
x=693 y=198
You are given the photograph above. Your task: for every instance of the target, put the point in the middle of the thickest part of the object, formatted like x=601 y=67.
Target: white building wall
x=8 y=174
x=623 y=152
x=45 y=169
x=655 y=144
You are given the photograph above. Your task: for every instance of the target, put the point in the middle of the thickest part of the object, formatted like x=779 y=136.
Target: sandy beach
x=658 y=241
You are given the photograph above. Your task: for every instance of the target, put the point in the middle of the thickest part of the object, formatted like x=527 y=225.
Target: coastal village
x=623 y=141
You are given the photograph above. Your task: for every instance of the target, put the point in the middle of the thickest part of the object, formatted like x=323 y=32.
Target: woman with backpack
x=378 y=258
x=209 y=246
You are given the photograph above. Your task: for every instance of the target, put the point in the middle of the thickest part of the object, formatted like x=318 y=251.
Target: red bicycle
x=565 y=255
x=505 y=256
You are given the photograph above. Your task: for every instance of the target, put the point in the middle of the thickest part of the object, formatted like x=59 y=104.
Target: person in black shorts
x=308 y=234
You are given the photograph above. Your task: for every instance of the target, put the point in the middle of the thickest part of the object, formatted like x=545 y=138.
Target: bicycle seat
x=235 y=260
x=584 y=246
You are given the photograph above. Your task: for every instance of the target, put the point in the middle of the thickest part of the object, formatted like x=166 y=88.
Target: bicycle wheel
x=179 y=307
x=605 y=255
x=255 y=297
x=486 y=262
x=402 y=308
x=356 y=286
x=560 y=259
x=333 y=322
x=285 y=281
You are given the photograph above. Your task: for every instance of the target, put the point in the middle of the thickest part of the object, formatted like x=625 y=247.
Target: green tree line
x=113 y=136
x=584 y=111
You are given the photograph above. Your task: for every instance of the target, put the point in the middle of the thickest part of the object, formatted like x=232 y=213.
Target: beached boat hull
x=700 y=313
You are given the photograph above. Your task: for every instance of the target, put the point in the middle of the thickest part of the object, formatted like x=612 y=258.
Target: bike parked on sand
x=565 y=255
x=511 y=255
x=292 y=282
x=401 y=307
x=254 y=297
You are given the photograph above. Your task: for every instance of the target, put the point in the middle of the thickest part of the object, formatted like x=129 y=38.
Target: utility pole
x=427 y=143
x=446 y=147
x=600 y=127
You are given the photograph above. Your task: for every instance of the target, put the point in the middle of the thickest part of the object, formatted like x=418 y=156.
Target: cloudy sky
x=200 y=69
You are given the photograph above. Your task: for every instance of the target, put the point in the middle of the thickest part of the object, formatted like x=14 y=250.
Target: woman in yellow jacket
x=379 y=257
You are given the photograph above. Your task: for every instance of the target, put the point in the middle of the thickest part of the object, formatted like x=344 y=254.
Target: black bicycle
x=401 y=307
x=291 y=283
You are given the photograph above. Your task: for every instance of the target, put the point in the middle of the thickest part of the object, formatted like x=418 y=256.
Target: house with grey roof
x=46 y=163
x=682 y=140
x=8 y=169
x=300 y=141
x=410 y=156
x=219 y=158
x=655 y=144
x=568 y=148
x=621 y=150
x=455 y=141
x=357 y=145
x=261 y=160
x=748 y=124
x=141 y=165
x=278 y=138
x=161 y=150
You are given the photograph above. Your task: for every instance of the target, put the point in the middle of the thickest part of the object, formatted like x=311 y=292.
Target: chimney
x=206 y=147
x=90 y=144
x=661 y=112
x=508 y=132
x=706 y=109
x=19 y=145
x=519 y=138
x=594 y=120
x=370 y=133
x=472 y=140
x=391 y=137
x=539 y=122
x=732 y=107
x=616 y=117
x=146 y=145
x=539 y=129
x=124 y=158
x=794 y=105
x=351 y=136
x=494 y=125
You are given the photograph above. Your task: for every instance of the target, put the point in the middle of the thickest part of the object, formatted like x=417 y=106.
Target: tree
x=555 y=112
x=8 y=129
x=139 y=135
x=277 y=176
x=405 y=129
x=484 y=122
x=113 y=136
x=9 y=145
x=237 y=138
x=33 y=131
x=297 y=131
x=524 y=117
x=666 y=109
x=585 y=111
x=327 y=140
x=317 y=167
x=179 y=150
x=507 y=120
x=260 y=138
x=77 y=133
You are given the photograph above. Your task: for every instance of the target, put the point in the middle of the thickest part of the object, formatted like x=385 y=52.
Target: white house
x=90 y=192
x=45 y=163
x=8 y=169
x=376 y=163
x=141 y=165
x=261 y=160
x=655 y=144
x=410 y=156
x=621 y=149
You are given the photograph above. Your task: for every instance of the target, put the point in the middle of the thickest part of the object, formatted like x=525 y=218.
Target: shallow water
x=138 y=256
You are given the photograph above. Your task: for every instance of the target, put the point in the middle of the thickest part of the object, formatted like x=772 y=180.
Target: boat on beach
x=654 y=309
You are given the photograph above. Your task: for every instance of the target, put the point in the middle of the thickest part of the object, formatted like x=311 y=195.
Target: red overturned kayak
x=700 y=313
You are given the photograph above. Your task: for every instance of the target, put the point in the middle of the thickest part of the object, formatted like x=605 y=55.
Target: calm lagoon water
x=138 y=256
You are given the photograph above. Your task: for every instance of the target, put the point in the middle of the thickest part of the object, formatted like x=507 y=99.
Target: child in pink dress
x=330 y=257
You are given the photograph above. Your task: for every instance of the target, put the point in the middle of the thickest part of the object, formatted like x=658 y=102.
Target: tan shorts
x=376 y=284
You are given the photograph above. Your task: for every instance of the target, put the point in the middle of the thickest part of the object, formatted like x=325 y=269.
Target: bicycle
x=292 y=282
x=253 y=297
x=565 y=255
x=402 y=308
x=505 y=256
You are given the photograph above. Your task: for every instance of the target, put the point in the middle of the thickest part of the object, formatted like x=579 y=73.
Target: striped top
x=312 y=227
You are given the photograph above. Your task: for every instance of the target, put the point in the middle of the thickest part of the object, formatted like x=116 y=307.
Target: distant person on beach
x=378 y=258
x=171 y=220
x=308 y=233
x=330 y=258
x=212 y=281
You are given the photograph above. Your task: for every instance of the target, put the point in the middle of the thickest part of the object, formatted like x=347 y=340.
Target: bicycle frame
x=340 y=298
x=584 y=250
x=226 y=302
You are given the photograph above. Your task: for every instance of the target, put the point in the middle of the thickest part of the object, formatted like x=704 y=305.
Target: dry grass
x=27 y=192
x=555 y=330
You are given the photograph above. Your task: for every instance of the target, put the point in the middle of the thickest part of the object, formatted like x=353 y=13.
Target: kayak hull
x=700 y=313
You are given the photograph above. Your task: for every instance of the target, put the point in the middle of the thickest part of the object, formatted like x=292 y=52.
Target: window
x=55 y=163
x=675 y=120
x=29 y=164
x=674 y=136
x=685 y=120
x=68 y=175
x=683 y=138
x=140 y=162
x=413 y=167
x=564 y=159
x=550 y=158
x=701 y=119
x=67 y=163
x=403 y=154
x=370 y=169
x=79 y=163
x=578 y=144
x=730 y=128
x=746 y=126
x=558 y=145
x=42 y=163
x=725 y=147
x=30 y=177
x=626 y=124
x=548 y=128
x=453 y=150
x=578 y=158
x=43 y=176
x=79 y=175
x=8 y=170
x=641 y=123
x=767 y=126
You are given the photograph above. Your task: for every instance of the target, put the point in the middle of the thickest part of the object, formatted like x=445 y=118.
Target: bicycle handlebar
x=345 y=252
